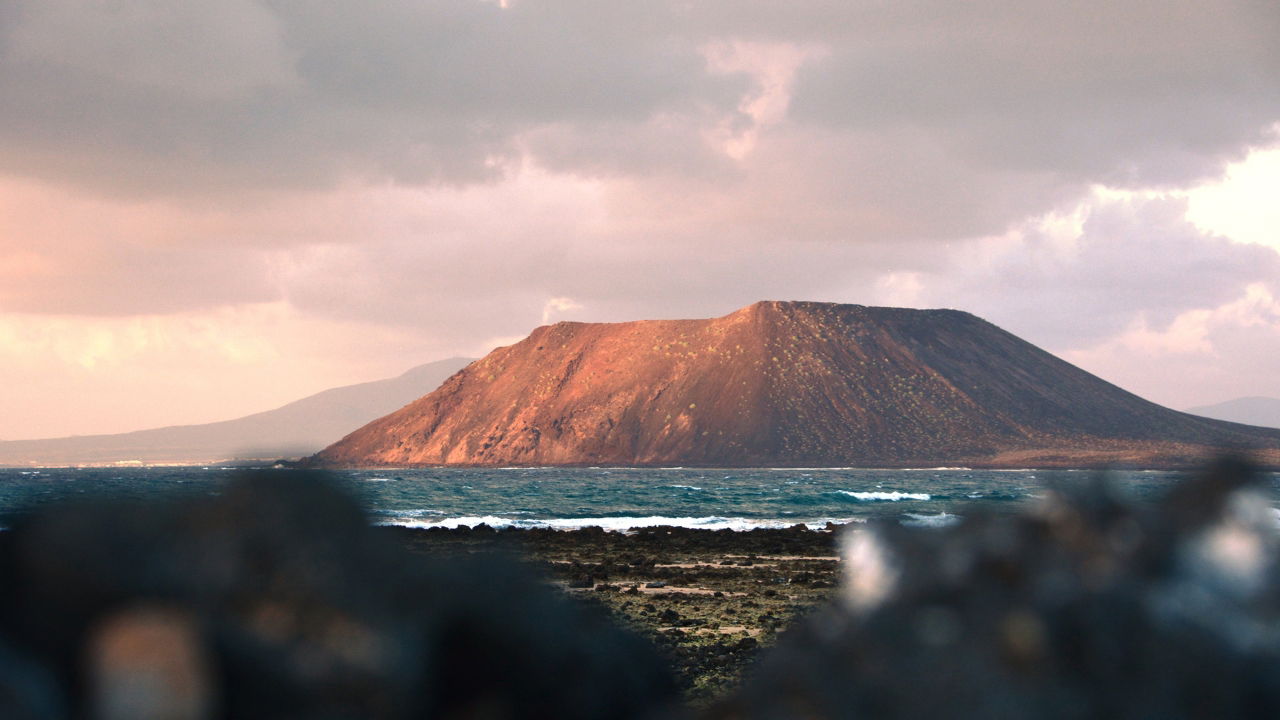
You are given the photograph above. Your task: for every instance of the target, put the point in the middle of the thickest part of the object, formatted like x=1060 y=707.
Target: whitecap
x=685 y=487
x=413 y=513
x=614 y=524
x=452 y=523
x=884 y=495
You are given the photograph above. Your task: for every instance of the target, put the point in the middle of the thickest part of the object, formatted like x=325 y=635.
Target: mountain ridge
x=786 y=384
x=1251 y=410
x=294 y=429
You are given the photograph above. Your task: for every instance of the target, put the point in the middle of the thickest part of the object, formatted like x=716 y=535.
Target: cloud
x=1243 y=204
x=217 y=51
x=1203 y=356
x=435 y=173
x=173 y=98
x=1073 y=280
x=161 y=97
x=1127 y=287
x=557 y=305
x=1121 y=94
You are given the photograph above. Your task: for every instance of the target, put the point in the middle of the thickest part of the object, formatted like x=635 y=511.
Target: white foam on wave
x=944 y=519
x=492 y=521
x=378 y=479
x=414 y=513
x=685 y=487
x=884 y=495
x=613 y=524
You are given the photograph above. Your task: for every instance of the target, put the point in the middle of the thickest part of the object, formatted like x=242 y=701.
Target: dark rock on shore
x=1094 y=606
x=277 y=600
x=727 y=605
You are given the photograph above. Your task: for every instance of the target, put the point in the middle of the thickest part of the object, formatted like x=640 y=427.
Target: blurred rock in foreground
x=1091 y=606
x=277 y=600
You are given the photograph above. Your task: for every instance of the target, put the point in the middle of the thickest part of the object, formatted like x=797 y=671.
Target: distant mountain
x=294 y=430
x=787 y=384
x=1262 y=411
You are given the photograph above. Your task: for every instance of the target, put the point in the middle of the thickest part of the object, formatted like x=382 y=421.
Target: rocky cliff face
x=787 y=383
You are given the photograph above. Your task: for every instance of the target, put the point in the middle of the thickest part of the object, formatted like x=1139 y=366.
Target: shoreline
x=1178 y=465
x=709 y=600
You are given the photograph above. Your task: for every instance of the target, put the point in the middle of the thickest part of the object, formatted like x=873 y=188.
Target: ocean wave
x=883 y=495
x=924 y=520
x=615 y=524
x=685 y=487
x=997 y=496
x=492 y=521
x=414 y=513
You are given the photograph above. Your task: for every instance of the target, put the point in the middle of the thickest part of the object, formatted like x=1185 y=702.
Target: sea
x=621 y=499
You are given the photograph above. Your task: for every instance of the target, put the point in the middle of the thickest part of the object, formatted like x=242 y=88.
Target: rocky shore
x=709 y=599
x=276 y=599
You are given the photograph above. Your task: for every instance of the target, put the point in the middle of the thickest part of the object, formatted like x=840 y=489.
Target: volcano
x=788 y=384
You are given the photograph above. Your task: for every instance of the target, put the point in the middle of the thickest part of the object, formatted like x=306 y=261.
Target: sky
x=211 y=209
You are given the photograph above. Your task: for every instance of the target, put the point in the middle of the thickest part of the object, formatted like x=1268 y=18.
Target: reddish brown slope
x=786 y=384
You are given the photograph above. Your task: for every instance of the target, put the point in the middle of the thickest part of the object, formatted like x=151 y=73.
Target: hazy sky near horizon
x=210 y=209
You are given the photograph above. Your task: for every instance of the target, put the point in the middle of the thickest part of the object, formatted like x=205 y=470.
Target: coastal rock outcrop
x=787 y=384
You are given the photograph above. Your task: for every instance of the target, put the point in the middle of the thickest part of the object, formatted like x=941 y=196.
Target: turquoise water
x=618 y=498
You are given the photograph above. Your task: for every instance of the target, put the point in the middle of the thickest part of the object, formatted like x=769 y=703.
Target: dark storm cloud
x=160 y=96
x=911 y=123
x=1127 y=94
x=165 y=96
